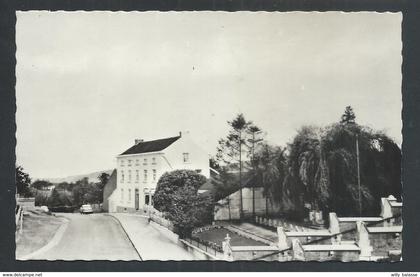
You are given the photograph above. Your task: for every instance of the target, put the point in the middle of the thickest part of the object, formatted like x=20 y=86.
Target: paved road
x=91 y=237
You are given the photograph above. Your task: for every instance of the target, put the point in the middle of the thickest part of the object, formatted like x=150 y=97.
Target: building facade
x=140 y=167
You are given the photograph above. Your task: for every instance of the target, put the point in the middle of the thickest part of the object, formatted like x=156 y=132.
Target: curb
x=53 y=242
x=122 y=227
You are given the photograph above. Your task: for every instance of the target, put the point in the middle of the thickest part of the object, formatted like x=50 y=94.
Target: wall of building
x=231 y=204
x=109 y=188
x=198 y=158
x=169 y=159
x=132 y=166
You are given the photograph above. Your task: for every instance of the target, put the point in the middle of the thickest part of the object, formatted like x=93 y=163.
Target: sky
x=89 y=83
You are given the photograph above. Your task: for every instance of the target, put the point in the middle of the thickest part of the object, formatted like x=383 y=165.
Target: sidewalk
x=258 y=230
x=148 y=241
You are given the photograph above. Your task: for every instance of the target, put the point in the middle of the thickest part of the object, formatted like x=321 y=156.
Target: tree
x=270 y=167
x=231 y=149
x=177 y=196
x=323 y=169
x=103 y=179
x=348 y=117
x=41 y=184
x=23 y=182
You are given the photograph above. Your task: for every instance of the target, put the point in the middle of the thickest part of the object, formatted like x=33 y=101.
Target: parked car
x=86 y=209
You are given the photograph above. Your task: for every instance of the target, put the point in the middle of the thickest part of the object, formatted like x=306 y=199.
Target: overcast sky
x=89 y=83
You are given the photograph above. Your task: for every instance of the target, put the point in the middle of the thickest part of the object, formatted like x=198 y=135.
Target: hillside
x=93 y=177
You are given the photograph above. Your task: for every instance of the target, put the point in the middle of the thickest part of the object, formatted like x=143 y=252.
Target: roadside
x=39 y=227
x=149 y=241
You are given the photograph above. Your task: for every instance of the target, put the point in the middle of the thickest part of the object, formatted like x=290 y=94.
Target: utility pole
x=241 y=212
x=358 y=174
x=254 y=140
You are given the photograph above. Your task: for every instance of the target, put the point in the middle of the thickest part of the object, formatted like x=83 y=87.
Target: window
x=146 y=199
x=129 y=176
x=145 y=176
x=186 y=157
x=129 y=195
x=137 y=176
x=154 y=174
x=145 y=161
x=122 y=162
x=129 y=162
x=153 y=160
x=137 y=161
x=122 y=176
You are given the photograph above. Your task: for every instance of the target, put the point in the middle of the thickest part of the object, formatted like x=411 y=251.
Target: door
x=136 y=199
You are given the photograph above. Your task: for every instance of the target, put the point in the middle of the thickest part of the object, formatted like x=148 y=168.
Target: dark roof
x=150 y=146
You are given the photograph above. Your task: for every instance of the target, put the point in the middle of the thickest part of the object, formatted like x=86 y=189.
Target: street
x=91 y=237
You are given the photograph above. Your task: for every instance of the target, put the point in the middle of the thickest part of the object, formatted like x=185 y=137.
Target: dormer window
x=186 y=157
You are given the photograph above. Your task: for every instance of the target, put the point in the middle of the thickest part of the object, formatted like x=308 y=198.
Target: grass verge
x=39 y=228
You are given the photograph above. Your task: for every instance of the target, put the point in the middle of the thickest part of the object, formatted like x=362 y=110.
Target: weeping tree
x=323 y=168
x=271 y=166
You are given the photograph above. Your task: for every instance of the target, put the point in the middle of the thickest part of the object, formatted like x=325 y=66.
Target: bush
x=177 y=196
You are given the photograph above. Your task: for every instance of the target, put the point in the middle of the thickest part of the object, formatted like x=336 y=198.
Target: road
x=91 y=237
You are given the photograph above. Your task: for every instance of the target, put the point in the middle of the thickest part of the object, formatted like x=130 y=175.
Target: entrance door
x=136 y=199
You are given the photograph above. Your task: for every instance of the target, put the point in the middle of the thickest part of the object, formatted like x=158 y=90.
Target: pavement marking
x=53 y=242
x=126 y=234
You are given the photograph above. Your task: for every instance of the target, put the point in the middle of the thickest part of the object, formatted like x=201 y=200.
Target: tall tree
x=348 y=116
x=23 y=182
x=233 y=149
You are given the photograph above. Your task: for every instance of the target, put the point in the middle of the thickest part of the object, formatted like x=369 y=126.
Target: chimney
x=185 y=133
x=137 y=141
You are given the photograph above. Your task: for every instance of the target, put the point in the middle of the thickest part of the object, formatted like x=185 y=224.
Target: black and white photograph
x=217 y=136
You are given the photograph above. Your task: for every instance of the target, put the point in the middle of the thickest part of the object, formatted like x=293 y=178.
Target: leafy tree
x=23 y=182
x=270 y=170
x=177 y=196
x=323 y=169
x=348 y=117
x=103 y=179
x=41 y=184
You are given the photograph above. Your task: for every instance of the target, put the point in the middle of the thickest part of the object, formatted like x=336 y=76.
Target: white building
x=140 y=167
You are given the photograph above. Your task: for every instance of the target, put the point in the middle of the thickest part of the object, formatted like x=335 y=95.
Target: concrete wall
x=252 y=254
x=344 y=256
x=26 y=202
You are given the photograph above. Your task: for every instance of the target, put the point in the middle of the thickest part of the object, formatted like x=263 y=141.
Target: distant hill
x=93 y=177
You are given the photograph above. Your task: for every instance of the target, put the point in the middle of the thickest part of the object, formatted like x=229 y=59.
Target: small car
x=86 y=209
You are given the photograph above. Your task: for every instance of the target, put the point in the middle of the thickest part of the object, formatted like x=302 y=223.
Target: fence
x=159 y=217
x=204 y=247
x=19 y=218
